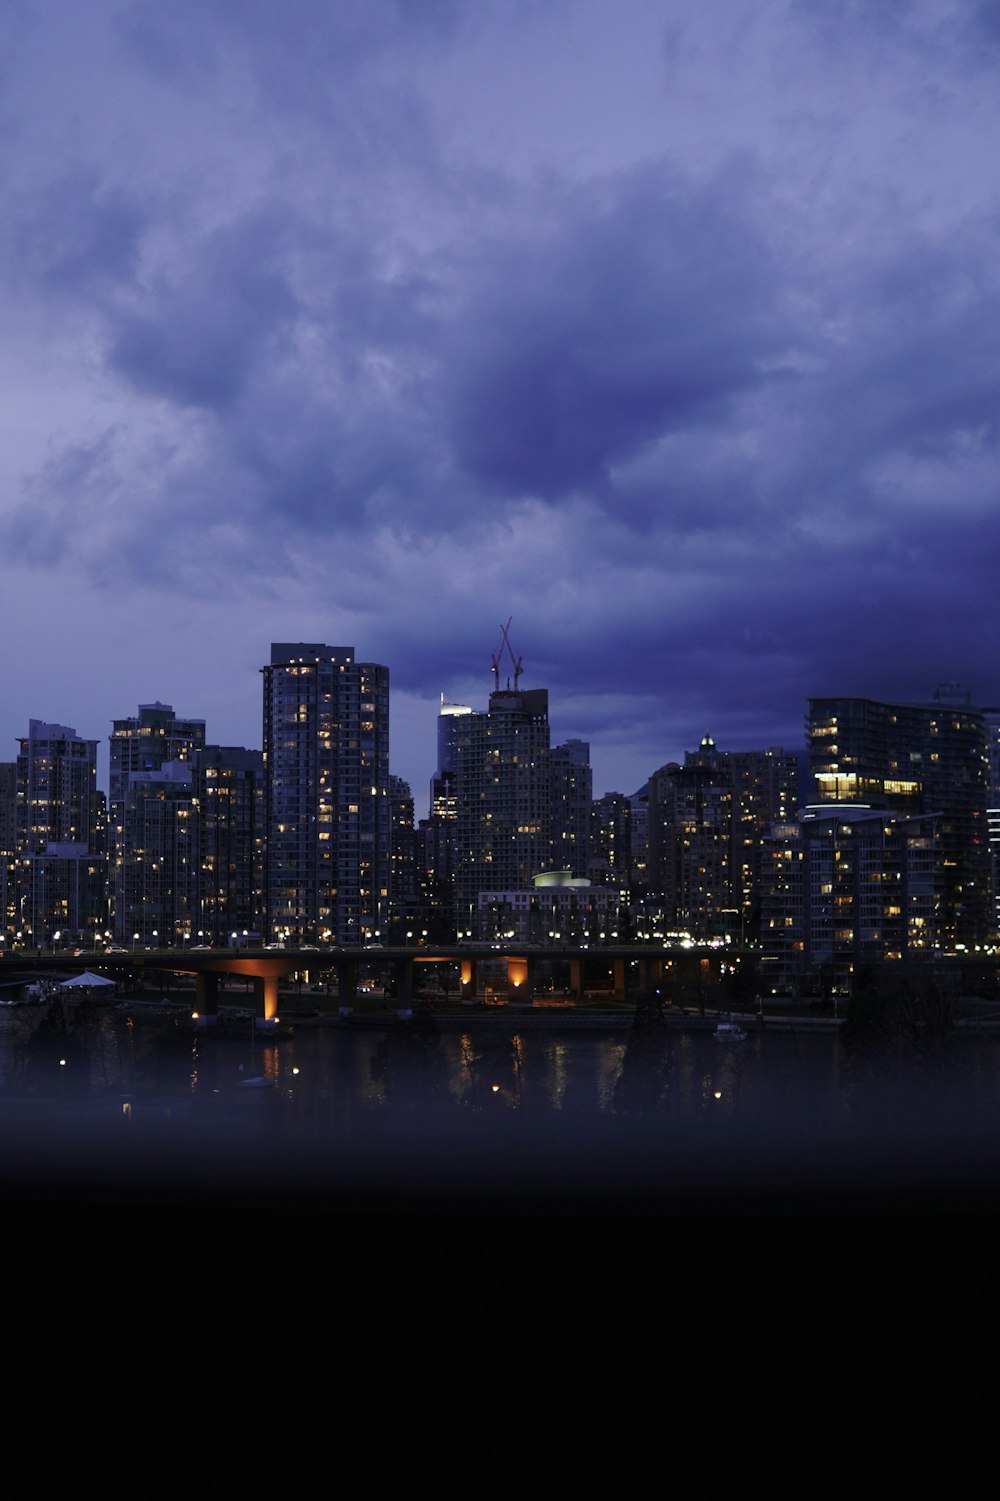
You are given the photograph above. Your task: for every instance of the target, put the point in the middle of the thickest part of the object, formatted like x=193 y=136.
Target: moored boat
x=730 y=1032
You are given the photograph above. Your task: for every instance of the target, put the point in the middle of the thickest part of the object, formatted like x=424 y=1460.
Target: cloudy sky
x=668 y=332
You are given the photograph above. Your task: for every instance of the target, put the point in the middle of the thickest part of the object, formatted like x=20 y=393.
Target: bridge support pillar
x=518 y=989
x=206 y=989
x=347 y=985
x=468 y=982
x=403 y=969
x=265 y=994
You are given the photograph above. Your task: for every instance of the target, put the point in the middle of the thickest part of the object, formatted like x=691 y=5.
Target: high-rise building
x=572 y=795
x=227 y=793
x=326 y=754
x=707 y=822
x=992 y=718
x=60 y=880
x=610 y=843
x=8 y=807
x=139 y=746
x=639 y=804
x=448 y=715
x=158 y=870
x=844 y=886
x=435 y=835
x=930 y=758
x=404 y=884
x=503 y=798
x=192 y=844
x=57 y=797
x=8 y=847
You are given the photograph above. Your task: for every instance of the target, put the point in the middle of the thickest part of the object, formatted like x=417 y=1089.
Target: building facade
x=930 y=759
x=503 y=799
x=227 y=798
x=158 y=869
x=844 y=886
x=138 y=747
x=326 y=756
x=572 y=795
x=57 y=884
x=707 y=822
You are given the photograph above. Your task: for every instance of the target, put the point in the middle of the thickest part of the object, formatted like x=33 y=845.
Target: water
x=492 y=1118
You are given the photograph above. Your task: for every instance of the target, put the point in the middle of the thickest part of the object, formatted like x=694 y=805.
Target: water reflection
x=665 y=1119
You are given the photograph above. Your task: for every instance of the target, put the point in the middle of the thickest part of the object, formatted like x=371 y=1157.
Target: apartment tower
x=928 y=759
x=326 y=755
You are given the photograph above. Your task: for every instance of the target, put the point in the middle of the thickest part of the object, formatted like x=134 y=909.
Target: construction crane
x=495 y=660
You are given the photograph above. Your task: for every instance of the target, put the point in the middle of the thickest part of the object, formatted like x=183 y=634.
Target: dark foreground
x=912 y=1160
x=909 y=1141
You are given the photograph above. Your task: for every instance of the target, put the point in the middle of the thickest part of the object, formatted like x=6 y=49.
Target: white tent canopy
x=87 y=980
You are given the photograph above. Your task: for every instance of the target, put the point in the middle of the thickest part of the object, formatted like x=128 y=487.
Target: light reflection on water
x=788 y=1073
x=782 y=1097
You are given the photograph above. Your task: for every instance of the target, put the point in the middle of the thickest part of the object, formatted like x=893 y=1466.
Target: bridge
x=515 y=973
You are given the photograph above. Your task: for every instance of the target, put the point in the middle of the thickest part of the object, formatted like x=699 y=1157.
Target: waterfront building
x=448 y=714
x=556 y=908
x=639 y=819
x=435 y=835
x=707 y=823
x=8 y=848
x=8 y=807
x=59 y=879
x=158 y=871
x=992 y=718
x=326 y=752
x=924 y=758
x=138 y=746
x=572 y=796
x=609 y=860
x=435 y=858
x=406 y=894
x=145 y=742
x=844 y=886
x=503 y=798
x=57 y=796
x=192 y=849
x=228 y=804
x=60 y=896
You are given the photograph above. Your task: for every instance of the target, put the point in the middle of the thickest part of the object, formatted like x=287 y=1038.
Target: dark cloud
x=643 y=309
x=198 y=335
x=76 y=234
x=384 y=323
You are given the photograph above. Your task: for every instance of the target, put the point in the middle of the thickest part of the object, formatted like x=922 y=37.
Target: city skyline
x=428 y=751
x=667 y=336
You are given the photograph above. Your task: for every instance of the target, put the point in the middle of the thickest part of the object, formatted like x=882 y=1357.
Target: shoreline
x=305 y=1011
